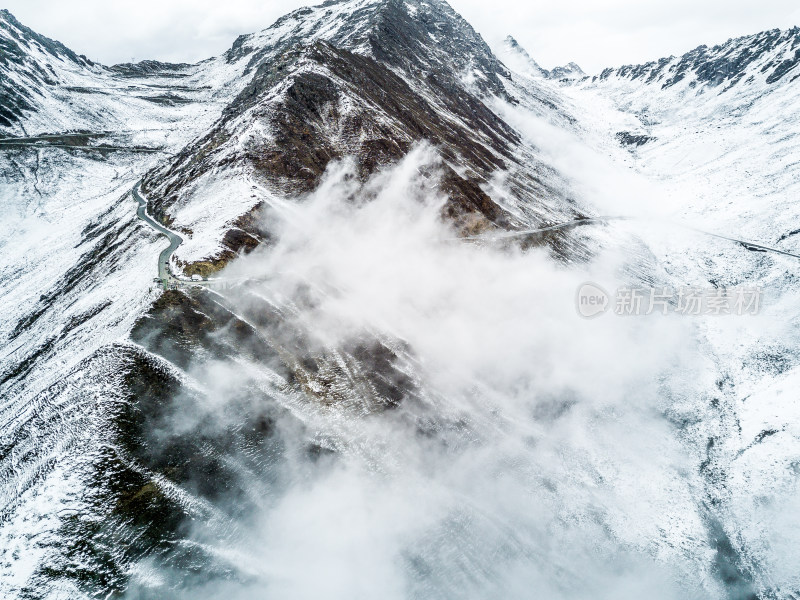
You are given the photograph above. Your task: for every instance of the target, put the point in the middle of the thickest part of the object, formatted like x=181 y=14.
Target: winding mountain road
x=175 y=240
x=168 y=279
x=558 y=226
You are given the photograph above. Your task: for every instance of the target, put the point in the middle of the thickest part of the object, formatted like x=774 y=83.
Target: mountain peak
x=5 y=15
x=519 y=59
x=414 y=36
x=514 y=45
x=569 y=71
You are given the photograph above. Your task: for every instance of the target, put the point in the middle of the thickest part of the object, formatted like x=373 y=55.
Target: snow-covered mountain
x=519 y=60
x=48 y=89
x=717 y=131
x=384 y=389
x=357 y=78
x=766 y=57
x=28 y=70
x=219 y=142
x=727 y=114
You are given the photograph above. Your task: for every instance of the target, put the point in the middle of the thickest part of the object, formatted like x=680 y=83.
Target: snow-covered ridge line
x=769 y=56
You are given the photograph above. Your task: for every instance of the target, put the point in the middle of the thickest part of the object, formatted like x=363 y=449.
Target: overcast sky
x=593 y=33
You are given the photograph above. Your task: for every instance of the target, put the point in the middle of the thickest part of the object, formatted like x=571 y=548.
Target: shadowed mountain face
x=368 y=80
x=321 y=103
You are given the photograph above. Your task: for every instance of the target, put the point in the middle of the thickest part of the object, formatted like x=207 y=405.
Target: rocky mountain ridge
x=380 y=78
x=768 y=56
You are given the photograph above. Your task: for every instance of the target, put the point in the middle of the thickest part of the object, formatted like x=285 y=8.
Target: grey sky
x=594 y=34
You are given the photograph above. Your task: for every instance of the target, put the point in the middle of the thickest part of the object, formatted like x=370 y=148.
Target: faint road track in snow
x=40 y=145
x=752 y=246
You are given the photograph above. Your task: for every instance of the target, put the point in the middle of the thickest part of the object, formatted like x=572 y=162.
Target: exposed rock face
x=148 y=68
x=367 y=80
x=337 y=103
x=626 y=138
x=775 y=53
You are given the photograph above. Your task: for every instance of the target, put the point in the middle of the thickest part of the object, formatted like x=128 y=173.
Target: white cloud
x=545 y=462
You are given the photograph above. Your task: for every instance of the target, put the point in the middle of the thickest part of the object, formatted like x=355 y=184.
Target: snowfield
x=722 y=155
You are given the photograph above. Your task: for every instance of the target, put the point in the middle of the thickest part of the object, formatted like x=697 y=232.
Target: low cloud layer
x=537 y=455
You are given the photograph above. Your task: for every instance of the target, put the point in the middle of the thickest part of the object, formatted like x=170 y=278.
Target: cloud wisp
x=532 y=453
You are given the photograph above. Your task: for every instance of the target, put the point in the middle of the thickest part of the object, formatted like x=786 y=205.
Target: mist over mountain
x=304 y=319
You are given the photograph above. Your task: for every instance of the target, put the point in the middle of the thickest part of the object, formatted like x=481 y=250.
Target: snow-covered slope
x=31 y=67
x=45 y=88
x=77 y=267
x=713 y=140
x=91 y=340
x=723 y=119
